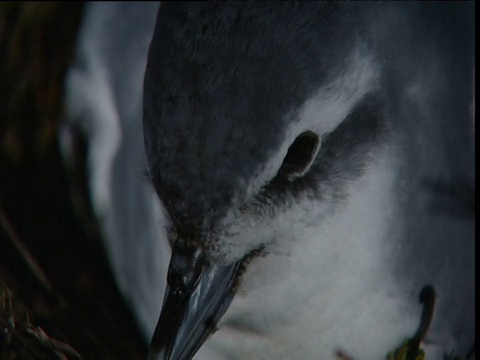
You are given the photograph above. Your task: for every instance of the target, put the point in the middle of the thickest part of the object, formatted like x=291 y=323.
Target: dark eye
x=300 y=155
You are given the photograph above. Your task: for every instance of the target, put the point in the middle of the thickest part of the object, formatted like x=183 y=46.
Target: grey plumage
x=347 y=245
x=224 y=83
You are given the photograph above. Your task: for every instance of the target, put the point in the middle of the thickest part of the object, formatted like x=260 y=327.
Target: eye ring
x=300 y=155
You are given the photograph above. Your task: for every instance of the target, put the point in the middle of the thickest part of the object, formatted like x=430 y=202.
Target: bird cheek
x=226 y=251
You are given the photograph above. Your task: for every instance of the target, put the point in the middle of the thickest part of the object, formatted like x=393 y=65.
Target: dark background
x=58 y=298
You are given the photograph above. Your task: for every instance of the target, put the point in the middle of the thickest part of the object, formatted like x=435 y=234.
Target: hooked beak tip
x=198 y=294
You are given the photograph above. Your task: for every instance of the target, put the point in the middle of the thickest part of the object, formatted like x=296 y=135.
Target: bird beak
x=197 y=295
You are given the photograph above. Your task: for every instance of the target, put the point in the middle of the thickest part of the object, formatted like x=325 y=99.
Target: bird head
x=254 y=123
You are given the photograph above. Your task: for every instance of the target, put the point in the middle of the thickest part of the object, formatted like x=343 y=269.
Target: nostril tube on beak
x=185 y=267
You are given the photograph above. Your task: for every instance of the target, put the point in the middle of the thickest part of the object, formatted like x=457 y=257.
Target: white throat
x=330 y=283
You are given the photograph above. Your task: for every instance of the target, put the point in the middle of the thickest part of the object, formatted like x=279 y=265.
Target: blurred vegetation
x=58 y=298
x=36 y=41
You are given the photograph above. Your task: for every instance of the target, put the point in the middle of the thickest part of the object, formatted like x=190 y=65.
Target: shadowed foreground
x=58 y=298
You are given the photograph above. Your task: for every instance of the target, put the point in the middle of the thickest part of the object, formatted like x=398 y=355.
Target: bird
x=103 y=99
x=294 y=148
x=313 y=165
